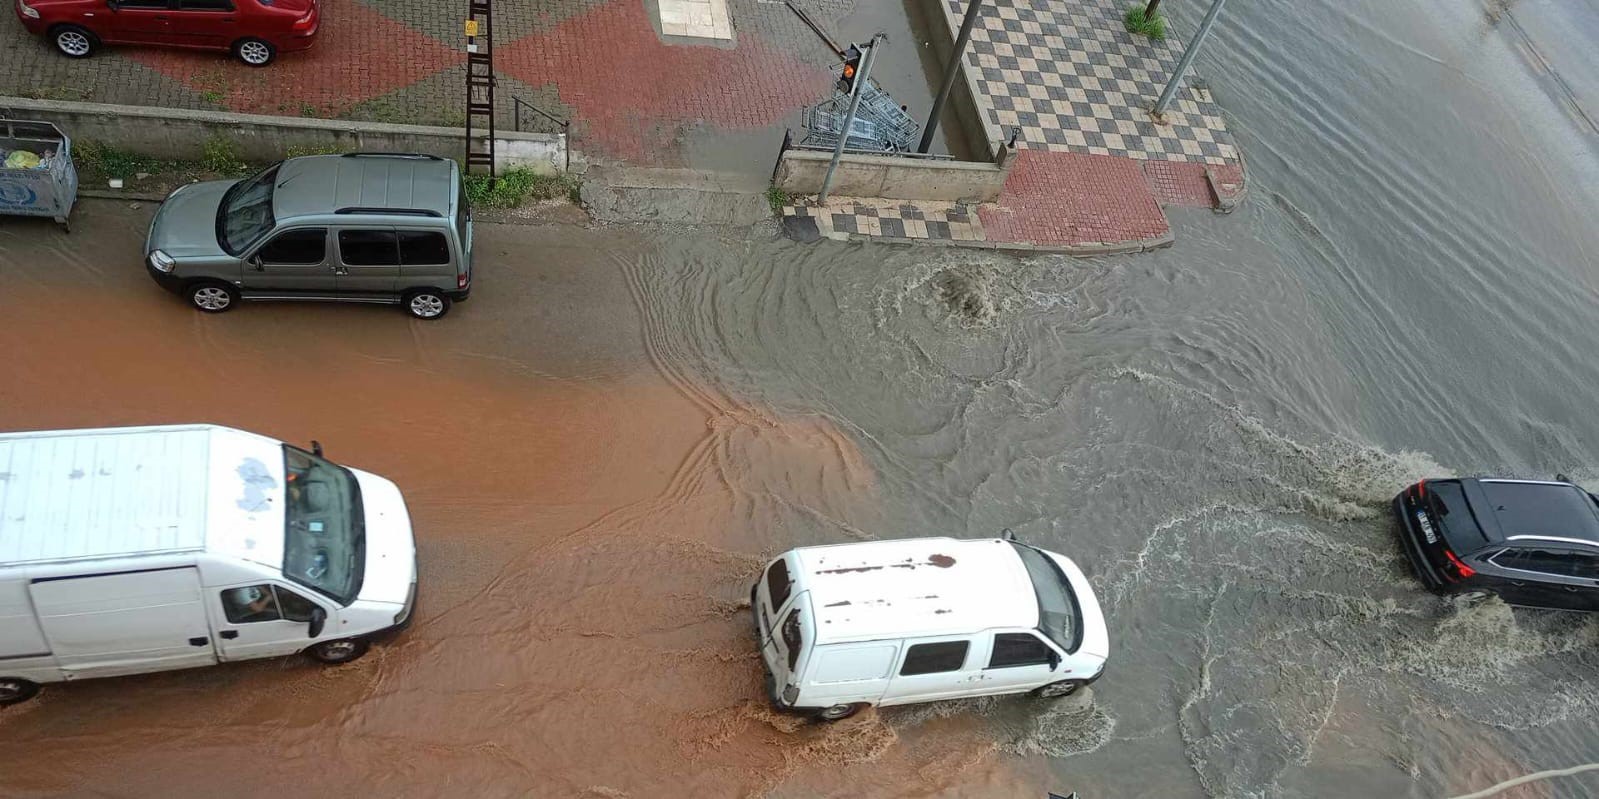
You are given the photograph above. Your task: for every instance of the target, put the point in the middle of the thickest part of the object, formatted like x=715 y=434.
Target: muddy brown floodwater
x=584 y=558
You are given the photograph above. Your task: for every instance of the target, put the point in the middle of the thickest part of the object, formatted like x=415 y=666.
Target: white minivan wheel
x=341 y=651
x=16 y=689
x=1056 y=690
x=839 y=712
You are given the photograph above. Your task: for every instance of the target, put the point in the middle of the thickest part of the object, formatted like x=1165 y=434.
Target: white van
x=895 y=622
x=142 y=549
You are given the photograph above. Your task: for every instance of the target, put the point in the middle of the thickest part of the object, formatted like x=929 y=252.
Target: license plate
x=1426 y=528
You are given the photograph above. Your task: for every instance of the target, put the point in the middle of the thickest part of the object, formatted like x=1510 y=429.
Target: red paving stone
x=1064 y=199
x=1179 y=183
x=633 y=93
x=359 y=55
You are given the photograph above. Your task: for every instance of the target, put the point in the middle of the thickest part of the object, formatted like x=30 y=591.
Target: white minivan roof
x=914 y=587
x=114 y=492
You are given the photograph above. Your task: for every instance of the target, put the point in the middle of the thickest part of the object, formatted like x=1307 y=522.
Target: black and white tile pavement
x=1069 y=76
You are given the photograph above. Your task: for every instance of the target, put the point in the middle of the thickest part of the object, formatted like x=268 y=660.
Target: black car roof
x=1525 y=508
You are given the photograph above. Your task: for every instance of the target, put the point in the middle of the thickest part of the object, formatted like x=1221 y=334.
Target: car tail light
x=1421 y=490
x=307 y=20
x=27 y=11
x=1462 y=571
x=460 y=280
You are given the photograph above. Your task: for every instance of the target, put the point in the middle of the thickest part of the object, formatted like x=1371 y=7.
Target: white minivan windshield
x=325 y=529
x=1057 y=605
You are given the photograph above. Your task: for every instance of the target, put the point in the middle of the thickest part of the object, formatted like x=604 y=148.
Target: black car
x=1531 y=542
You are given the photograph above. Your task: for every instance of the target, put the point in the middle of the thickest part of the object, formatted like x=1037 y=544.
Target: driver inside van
x=251 y=603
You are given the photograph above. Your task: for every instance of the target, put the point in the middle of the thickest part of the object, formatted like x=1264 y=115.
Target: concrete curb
x=179 y=133
x=1024 y=247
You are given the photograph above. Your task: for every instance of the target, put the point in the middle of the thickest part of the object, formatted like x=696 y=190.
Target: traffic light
x=852 y=65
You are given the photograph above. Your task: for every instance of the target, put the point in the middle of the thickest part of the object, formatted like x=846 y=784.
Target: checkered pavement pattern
x=1069 y=77
x=845 y=218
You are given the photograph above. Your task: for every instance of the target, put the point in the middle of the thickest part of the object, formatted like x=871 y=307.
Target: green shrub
x=515 y=187
x=1153 y=27
x=777 y=198
x=220 y=155
x=97 y=161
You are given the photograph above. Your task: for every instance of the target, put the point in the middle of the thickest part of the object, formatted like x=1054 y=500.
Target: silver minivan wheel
x=16 y=689
x=211 y=297
x=839 y=712
x=426 y=304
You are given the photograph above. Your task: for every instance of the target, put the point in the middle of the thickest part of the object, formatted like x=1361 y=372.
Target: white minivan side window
x=856 y=664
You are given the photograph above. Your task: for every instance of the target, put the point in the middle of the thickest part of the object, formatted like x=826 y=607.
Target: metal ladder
x=480 y=85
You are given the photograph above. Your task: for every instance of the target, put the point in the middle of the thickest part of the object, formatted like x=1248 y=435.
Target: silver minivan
x=388 y=228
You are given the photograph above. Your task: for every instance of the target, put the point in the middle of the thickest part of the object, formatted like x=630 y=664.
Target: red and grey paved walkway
x=634 y=91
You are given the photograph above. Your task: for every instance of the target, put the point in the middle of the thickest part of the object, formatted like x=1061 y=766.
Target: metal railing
x=542 y=119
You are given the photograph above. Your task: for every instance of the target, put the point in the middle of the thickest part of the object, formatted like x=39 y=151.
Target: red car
x=254 y=30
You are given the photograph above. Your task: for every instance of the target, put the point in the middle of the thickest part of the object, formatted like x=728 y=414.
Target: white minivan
x=884 y=623
x=140 y=549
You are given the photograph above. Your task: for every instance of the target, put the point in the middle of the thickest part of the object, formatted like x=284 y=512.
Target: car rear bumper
x=1410 y=539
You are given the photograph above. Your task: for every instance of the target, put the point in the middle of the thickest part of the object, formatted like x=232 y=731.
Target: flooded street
x=604 y=444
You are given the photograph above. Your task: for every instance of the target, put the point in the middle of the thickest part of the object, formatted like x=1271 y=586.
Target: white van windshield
x=1057 y=606
x=324 y=546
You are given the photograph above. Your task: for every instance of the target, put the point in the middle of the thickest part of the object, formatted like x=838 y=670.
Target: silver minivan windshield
x=245 y=214
x=1058 y=615
x=324 y=545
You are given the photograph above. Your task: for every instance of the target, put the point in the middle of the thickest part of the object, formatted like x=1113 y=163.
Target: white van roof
x=915 y=587
x=116 y=492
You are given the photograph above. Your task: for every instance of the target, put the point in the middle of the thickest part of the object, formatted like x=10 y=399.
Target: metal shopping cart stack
x=881 y=125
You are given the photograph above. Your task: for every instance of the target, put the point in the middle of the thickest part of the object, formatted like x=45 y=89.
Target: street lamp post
x=1187 y=60
x=972 y=9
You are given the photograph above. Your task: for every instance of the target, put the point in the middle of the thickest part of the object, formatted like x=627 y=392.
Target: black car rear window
x=1542 y=509
x=1452 y=513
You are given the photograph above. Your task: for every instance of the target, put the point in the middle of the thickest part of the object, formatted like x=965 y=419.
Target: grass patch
x=516 y=187
x=211 y=96
x=220 y=155
x=296 y=151
x=1137 y=23
x=57 y=93
x=777 y=198
x=97 y=161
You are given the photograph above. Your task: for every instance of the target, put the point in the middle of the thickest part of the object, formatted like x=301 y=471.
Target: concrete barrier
x=800 y=172
x=174 y=133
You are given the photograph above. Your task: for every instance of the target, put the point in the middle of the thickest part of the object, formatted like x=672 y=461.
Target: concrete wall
x=801 y=172
x=181 y=134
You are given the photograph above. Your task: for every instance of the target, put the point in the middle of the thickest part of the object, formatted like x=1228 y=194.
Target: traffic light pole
x=849 y=117
x=1186 y=61
x=950 y=72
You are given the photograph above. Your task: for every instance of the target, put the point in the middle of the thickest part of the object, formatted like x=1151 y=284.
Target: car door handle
x=163 y=19
x=201 y=641
x=228 y=634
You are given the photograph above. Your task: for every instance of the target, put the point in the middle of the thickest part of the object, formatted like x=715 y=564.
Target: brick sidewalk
x=632 y=94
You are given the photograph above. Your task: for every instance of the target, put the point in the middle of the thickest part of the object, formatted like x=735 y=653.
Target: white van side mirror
x=316 y=448
x=1007 y=534
x=1054 y=659
x=319 y=617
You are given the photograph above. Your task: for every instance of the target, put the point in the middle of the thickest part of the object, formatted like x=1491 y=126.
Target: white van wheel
x=16 y=689
x=1056 y=690
x=341 y=651
x=839 y=712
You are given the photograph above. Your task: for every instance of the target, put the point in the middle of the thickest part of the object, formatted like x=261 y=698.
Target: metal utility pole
x=1187 y=60
x=861 y=77
x=950 y=72
x=1149 y=10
